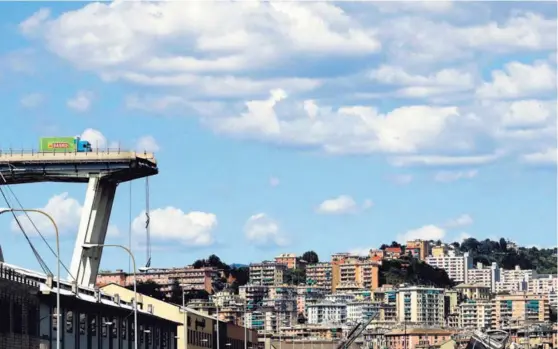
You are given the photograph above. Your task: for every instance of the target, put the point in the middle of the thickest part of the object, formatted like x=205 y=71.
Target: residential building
x=267 y=273
x=392 y=252
x=308 y=295
x=421 y=305
x=439 y=251
x=253 y=295
x=469 y=291
x=457 y=267
x=543 y=284
x=319 y=274
x=419 y=249
x=514 y=280
x=354 y=272
x=327 y=313
x=362 y=311
x=189 y=278
x=288 y=259
x=417 y=338
x=512 y=310
x=475 y=314
x=484 y=275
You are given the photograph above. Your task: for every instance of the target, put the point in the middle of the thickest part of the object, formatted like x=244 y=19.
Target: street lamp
x=57 y=264
x=89 y=246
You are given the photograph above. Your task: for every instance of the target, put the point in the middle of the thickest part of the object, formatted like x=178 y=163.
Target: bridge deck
x=118 y=166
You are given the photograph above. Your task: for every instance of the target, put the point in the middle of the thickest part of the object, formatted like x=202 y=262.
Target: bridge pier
x=93 y=226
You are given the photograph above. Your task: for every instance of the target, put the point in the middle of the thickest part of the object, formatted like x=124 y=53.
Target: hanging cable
x=35 y=226
x=42 y=263
x=147 y=219
x=130 y=229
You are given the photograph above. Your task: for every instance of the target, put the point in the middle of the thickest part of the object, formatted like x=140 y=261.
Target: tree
x=395 y=244
x=149 y=288
x=310 y=257
x=503 y=245
x=175 y=296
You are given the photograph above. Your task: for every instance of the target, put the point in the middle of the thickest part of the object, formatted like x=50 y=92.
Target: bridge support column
x=92 y=230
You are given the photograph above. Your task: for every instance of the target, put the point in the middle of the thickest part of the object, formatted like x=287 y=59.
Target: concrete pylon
x=92 y=230
x=1 y=255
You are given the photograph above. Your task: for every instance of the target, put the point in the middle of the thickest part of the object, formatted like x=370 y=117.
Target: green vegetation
x=488 y=251
x=413 y=272
x=295 y=276
x=152 y=289
x=310 y=257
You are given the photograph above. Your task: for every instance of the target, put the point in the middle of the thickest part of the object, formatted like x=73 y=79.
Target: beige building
x=456 y=267
x=200 y=329
x=417 y=338
x=319 y=274
x=267 y=273
x=421 y=305
x=513 y=310
x=354 y=272
x=439 y=251
x=475 y=314
x=469 y=291
x=418 y=248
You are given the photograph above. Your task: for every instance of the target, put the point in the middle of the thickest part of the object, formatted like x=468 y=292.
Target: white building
x=475 y=314
x=340 y=297
x=362 y=311
x=326 y=313
x=457 y=267
x=514 y=280
x=543 y=284
x=485 y=276
x=424 y=305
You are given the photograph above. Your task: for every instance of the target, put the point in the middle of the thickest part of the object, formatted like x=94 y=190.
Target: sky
x=282 y=127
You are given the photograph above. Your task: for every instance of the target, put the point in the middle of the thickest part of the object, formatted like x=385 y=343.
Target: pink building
x=417 y=337
x=189 y=278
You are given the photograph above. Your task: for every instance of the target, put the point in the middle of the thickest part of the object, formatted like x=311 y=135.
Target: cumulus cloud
x=194 y=229
x=519 y=80
x=360 y=251
x=66 y=212
x=147 y=143
x=262 y=230
x=459 y=222
x=81 y=102
x=342 y=204
x=452 y=176
x=95 y=137
x=545 y=157
x=32 y=100
x=427 y=232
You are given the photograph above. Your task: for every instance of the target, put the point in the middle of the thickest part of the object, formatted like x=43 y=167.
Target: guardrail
x=96 y=154
x=12 y=152
x=10 y=274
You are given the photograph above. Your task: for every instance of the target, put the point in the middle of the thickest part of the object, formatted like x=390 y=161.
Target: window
x=104 y=326
x=82 y=321
x=132 y=332
x=114 y=327
x=93 y=324
x=70 y=321
x=141 y=334
x=54 y=319
x=123 y=326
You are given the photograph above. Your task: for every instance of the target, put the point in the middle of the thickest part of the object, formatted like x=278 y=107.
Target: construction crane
x=356 y=331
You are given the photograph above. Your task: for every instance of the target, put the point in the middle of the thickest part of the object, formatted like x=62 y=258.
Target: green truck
x=64 y=145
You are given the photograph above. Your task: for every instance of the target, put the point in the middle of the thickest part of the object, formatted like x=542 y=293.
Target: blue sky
x=294 y=126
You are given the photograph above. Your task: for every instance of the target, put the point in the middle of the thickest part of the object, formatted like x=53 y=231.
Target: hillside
x=413 y=272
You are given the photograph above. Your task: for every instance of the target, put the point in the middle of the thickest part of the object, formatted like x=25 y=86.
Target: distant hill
x=238 y=265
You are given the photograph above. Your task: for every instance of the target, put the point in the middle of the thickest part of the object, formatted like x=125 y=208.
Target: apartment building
x=354 y=272
x=253 y=295
x=475 y=314
x=288 y=259
x=419 y=249
x=319 y=274
x=476 y=292
x=327 y=313
x=189 y=278
x=308 y=295
x=457 y=267
x=484 y=275
x=267 y=273
x=512 y=310
x=439 y=251
x=392 y=252
x=362 y=311
x=543 y=284
x=514 y=280
x=422 y=305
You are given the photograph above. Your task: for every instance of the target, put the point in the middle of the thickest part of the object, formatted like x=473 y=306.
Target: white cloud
x=544 y=157
x=462 y=236
x=274 y=181
x=64 y=210
x=402 y=179
x=81 y=102
x=427 y=232
x=519 y=80
x=95 y=137
x=147 y=143
x=32 y=100
x=452 y=176
x=459 y=222
x=339 y=205
x=360 y=251
x=433 y=160
x=191 y=229
x=262 y=230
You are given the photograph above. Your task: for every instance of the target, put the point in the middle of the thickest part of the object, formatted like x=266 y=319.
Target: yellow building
x=438 y=251
x=471 y=291
x=200 y=332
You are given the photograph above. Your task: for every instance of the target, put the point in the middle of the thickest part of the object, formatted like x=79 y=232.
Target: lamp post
x=88 y=246
x=185 y=318
x=57 y=264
